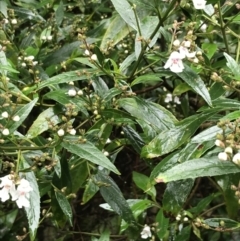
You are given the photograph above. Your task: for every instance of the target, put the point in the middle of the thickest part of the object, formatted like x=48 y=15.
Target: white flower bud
x=219 y=143
x=223 y=156
x=23 y=64
x=95 y=112
x=80 y=92
x=14 y=21
x=34 y=63
x=30 y=58
x=106 y=153
x=5 y=114
x=228 y=150
x=187 y=44
x=86 y=52
x=94 y=57
x=71 y=83
x=60 y=132
x=236 y=159
x=72 y=132
x=176 y=43
x=5 y=20
x=49 y=38
x=72 y=92
x=5 y=132
x=185 y=219
x=16 y=118
x=43 y=37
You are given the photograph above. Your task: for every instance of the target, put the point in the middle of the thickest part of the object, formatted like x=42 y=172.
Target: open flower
x=21 y=195
x=175 y=62
x=199 y=4
x=8 y=187
x=185 y=52
x=146 y=232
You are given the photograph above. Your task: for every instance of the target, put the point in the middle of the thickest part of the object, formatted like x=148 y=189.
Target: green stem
x=223 y=27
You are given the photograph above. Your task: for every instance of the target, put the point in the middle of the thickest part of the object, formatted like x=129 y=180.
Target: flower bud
x=219 y=143
x=5 y=114
x=223 y=156
x=176 y=43
x=236 y=159
x=228 y=150
x=60 y=132
x=72 y=92
x=5 y=132
x=94 y=57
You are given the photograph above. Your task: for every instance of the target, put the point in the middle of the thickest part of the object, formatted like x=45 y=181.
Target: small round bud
x=72 y=132
x=106 y=153
x=176 y=43
x=236 y=159
x=16 y=118
x=223 y=156
x=49 y=38
x=86 y=52
x=14 y=21
x=94 y=57
x=228 y=150
x=185 y=219
x=61 y=132
x=72 y=92
x=219 y=143
x=80 y=92
x=5 y=132
x=5 y=114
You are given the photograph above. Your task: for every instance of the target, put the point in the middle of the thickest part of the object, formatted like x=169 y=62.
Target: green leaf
x=169 y=140
x=194 y=168
x=33 y=212
x=67 y=77
x=162 y=224
x=222 y=223
x=232 y=65
x=147 y=79
x=8 y=68
x=23 y=113
x=193 y=80
x=156 y=115
x=91 y=153
x=114 y=197
x=117 y=30
x=142 y=182
x=134 y=138
x=184 y=234
x=65 y=206
x=59 y=13
x=3 y=8
x=126 y=12
x=209 y=49
x=181 y=88
x=41 y=123
x=90 y=190
x=176 y=194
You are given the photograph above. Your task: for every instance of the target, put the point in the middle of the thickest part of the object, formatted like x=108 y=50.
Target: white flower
x=108 y=141
x=14 y=21
x=23 y=64
x=106 y=153
x=16 y=118
x=199 y=4
x=72 y=92
x=8 y=187
x=176 y=100
x=86 y=52
x=236 y=159
x=176 y=43
x=175 y=62
x=5 y=132
x=61 y=132
x=185 y=52
x=168 y=98
x=228 y=150
x=21 y=195
x=94 y=57
x=49 y=38
x=223 y=156
x=72 y=132
x=29 y=58
x=5 y=114
x=146 y=232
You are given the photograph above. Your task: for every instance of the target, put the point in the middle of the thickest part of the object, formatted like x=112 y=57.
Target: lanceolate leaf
x=159 y=117
x=194 y=168
x=67 y=77
x=114 y=197
x=91 y=153
x=193 y=80
x=126 y=12
x=33 y=212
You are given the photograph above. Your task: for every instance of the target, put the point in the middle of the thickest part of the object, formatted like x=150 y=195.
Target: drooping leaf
x=33 y=212
x=114 y=197
x=91 y=153
x=23 y=114
x=41 y=123
x=125 y=10
x=194 y=168
x=159 y=117
x=176 y=194
x=193 y=80
x=64 y=204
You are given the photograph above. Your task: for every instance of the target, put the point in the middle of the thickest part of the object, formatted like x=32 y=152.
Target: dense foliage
x=119 y=120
